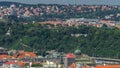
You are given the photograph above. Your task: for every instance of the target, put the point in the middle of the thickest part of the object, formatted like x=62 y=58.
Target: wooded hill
x=102 y=42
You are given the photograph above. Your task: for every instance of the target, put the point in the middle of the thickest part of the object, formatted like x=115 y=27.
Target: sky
x=87 y=2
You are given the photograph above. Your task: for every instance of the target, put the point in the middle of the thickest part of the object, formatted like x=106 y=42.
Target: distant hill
x=6 y=3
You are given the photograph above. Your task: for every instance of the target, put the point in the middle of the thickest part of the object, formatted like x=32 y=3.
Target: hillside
x=102 y=42
x=6 y=3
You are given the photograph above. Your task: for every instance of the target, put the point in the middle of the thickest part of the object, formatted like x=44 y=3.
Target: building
x=25 y=55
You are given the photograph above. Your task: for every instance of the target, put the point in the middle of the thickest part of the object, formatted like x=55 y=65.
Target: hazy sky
x=108 y=2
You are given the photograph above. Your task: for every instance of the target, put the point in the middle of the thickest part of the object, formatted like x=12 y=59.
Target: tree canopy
x=102 y=42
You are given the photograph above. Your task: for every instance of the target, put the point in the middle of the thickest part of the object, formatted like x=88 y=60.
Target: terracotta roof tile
x=25 y=54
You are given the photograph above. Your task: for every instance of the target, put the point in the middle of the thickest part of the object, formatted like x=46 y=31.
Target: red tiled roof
x=70 y=55
x=21 y=63
x=108 y=66
x=25 y=54
x=4 y=56
x=8 y=63
x=72 y=65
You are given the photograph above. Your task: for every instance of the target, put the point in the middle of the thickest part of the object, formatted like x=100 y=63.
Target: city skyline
x=87 y=2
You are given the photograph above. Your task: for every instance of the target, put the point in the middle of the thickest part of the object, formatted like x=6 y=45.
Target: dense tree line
x=102 y=42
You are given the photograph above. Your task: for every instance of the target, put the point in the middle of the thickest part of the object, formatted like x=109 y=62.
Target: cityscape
x=59 y=35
